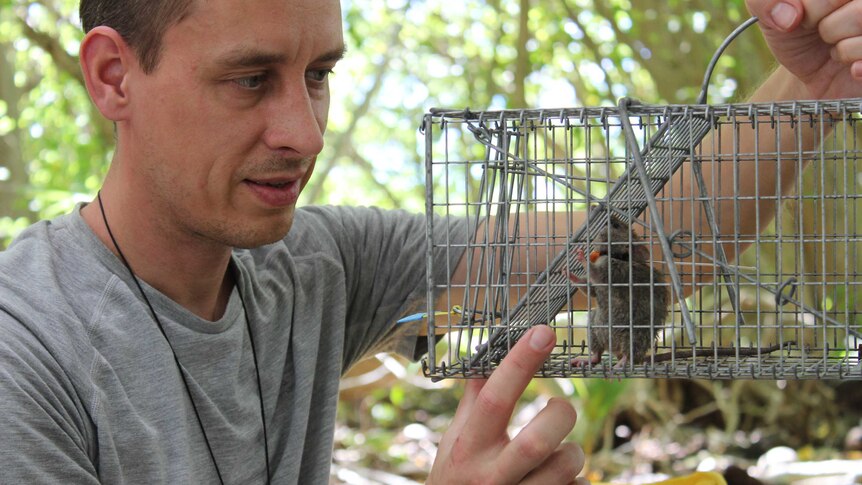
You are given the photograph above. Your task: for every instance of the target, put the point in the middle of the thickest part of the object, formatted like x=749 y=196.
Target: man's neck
x=192 y=272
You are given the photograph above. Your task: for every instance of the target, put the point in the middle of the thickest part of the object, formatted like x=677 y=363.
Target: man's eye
x=251 y=82
x=319 y=75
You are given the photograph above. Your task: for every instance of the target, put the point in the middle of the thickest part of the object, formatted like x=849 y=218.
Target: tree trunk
x=522 y=62
x=14 y=181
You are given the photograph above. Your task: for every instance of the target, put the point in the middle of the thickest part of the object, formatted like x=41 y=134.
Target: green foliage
x=599 y=399
x=411 y=56
x=62 y=147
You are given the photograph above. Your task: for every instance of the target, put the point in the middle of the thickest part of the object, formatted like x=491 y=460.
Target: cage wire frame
x=786 y=308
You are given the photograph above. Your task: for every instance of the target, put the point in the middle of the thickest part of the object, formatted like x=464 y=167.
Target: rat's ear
x=106 y=60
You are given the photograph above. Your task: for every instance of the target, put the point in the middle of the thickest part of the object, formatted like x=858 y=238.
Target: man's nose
x=294 y=123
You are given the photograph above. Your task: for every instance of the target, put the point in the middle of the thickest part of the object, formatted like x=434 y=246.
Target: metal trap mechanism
x=658 y=241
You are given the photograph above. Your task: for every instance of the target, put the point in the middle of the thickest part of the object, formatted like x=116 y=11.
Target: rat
x=630 y=307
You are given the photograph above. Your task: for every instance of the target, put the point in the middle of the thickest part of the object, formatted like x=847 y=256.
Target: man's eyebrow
x=334 y=55
x=254 y=58
x=249 y=58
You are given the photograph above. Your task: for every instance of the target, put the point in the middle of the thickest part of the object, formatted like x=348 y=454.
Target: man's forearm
x=746 y=167
x=746 y=171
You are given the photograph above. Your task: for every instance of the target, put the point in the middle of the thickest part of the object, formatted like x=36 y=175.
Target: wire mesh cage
x=654 y=239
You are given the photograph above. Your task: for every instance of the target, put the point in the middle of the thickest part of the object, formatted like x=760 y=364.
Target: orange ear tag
x=594 y=255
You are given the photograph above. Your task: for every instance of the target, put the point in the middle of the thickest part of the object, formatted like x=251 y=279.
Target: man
x=140 y=344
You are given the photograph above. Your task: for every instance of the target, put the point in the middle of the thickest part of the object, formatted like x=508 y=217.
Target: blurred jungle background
x=404 y=58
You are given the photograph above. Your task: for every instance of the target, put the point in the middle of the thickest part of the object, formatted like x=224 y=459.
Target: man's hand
x=477 y=448
x=818 y=41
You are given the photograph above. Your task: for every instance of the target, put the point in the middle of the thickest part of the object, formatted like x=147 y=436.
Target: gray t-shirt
x=90 y=392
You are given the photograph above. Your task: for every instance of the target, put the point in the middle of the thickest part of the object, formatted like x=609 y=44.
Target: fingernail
x=539 y=339
x=783 y=14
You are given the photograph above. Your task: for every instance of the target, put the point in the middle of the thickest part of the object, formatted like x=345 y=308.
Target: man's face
x=225 y=131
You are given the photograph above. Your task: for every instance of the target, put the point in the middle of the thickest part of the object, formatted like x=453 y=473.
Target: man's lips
x=275 y=191
x=271 y=183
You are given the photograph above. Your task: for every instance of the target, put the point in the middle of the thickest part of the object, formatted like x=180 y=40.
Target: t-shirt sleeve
x=385 y=262
x=41 y=438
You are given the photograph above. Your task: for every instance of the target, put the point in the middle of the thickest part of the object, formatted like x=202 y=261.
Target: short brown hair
x=142 y=23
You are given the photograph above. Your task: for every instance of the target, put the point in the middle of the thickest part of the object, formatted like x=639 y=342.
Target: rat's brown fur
x=637 y=307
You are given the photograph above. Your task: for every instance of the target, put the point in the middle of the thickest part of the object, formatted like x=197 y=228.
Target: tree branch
x=588 y=42
x=369 y=167
x=522 y=61
x=68 y=64
x=343 y=140
x=64 y=61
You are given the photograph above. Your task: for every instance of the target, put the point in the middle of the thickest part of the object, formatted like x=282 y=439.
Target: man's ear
x=106 y=60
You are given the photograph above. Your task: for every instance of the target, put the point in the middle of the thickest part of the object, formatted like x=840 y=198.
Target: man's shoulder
x=43 y=271
x=28 y=261
x=325 y=238
x=39 y=252
x=349 y=221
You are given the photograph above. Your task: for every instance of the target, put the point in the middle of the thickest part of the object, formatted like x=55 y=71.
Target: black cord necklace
x=177 y=360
